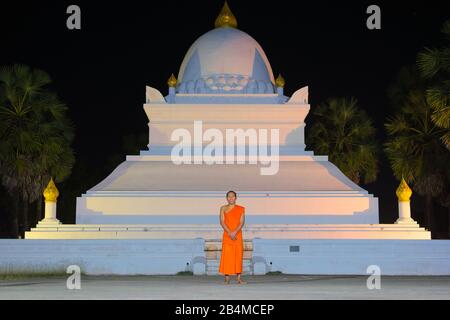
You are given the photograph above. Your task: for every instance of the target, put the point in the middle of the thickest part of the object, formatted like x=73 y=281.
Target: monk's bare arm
x=222 y=220
x=241 y=222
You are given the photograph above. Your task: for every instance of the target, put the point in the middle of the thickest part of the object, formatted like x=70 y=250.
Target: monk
x=232 y=219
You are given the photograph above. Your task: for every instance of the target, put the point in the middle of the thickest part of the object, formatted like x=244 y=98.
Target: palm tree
x=414 y=148
x=35 y=137
x=346 y=134
x=434 y=65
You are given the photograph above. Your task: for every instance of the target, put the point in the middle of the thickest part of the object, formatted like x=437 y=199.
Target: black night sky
x=101 y=71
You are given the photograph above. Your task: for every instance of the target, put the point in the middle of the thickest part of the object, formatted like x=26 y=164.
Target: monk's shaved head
x=231 y=191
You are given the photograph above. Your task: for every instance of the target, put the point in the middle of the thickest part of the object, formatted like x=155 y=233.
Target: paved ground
x=212 y=287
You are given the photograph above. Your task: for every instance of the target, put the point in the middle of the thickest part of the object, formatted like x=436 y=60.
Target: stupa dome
x=225 y=60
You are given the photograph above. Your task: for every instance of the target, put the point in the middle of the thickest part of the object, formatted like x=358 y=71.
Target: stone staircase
x=213 y=251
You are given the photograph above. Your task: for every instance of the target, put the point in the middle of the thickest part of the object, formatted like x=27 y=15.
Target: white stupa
x=302 y=213
x=226 y=82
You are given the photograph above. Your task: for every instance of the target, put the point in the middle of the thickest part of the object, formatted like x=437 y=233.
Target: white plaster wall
x=307 y=208
x=288 y=119
x=328 y=257
x=352 y=257
x=132 y=257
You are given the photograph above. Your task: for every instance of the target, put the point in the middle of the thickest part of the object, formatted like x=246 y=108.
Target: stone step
x=215 y=255
x=217 y=245
x=216 y=228
x=215 y=273
x=213 y=249
x=212 y=267
x=215 y=270
x=417 y=233
x=217 y=262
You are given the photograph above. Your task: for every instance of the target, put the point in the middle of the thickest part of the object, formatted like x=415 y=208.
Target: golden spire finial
x=225 y=18
x=280 y=81
x=172 y=81
x=403 y=192
x=51 y=193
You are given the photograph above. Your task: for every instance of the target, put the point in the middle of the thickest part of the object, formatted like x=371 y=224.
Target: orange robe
x=232 y=250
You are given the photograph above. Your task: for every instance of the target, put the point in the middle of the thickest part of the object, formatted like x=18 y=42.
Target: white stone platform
x=214 y=231
x=343 y=256
x=170 y=256
x=398 y=249
x=151 y=256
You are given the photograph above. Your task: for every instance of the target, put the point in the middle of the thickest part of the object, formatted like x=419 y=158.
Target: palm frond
x=429 y=62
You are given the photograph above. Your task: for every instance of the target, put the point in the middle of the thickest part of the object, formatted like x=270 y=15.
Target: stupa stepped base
x=214 y=231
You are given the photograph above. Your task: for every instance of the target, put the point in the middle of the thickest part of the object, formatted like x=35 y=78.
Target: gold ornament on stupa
x=51 y=193
x=280 y=81
x=225 y=18
x=403 y=192
x=172 y=81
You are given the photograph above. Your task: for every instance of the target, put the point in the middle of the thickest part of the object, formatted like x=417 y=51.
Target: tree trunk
x=14 y=217
x=25 y=217
x=448 y=223
x=429 y=212
x=38 y=210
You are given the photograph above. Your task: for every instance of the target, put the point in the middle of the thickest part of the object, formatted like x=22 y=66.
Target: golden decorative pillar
x=51 y=194
x=404 y=193
x=280 y=81
x=172 y=81
x=279 y=84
